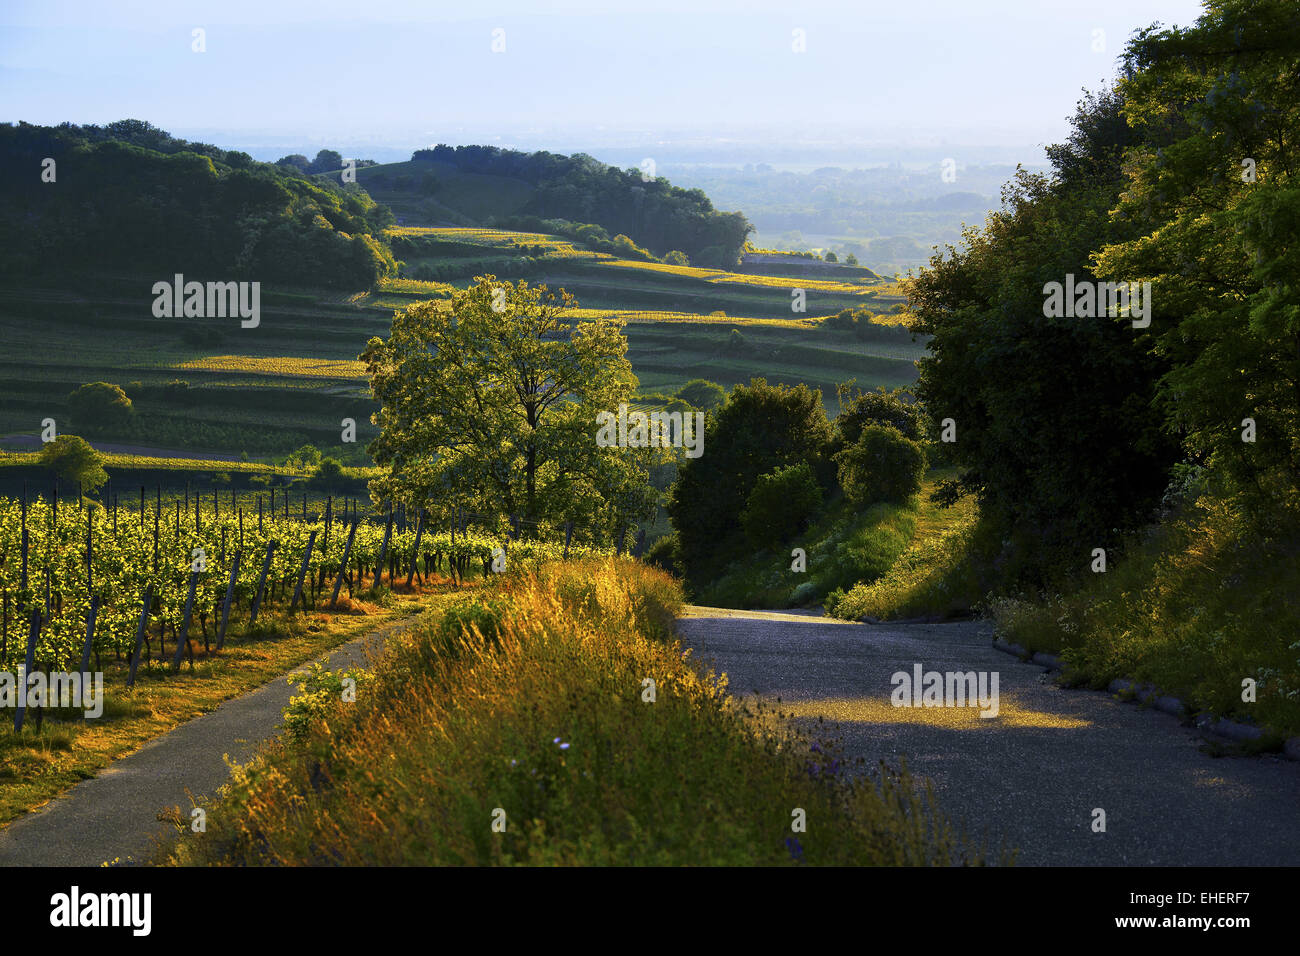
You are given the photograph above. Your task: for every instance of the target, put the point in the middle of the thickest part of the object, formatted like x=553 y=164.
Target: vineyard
x=278 y=365
x=144 y=586
x=653 y=316
x=547 y=244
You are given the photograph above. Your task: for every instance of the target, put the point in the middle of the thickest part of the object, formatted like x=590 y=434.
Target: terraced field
x=295 y=377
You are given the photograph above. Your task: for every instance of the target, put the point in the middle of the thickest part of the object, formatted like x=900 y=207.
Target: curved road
x=1031 y=776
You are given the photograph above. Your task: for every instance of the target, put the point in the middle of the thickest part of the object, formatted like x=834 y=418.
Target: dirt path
x=114 y=814
x=1031 y=776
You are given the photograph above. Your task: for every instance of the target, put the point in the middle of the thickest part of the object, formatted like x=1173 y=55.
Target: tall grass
x=938 y=574
x=527 y=703
x=843 y=546
x=1199 y=606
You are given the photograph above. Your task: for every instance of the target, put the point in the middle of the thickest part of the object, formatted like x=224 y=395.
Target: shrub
x=100 y=405
x=74 y=460
x=461 y=621
x=879 y=407
x=780 y=505
x=328 y=472
x=318 y=690
x=882 y=465
x=701 y=393
x=677 y=258
x=665 y=553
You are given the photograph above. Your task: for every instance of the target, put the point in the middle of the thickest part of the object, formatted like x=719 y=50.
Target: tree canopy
x=73 y=460
x=652 y=212
x=1068 y=429
x=759 y=428
x=131 y=196
x=491 y=404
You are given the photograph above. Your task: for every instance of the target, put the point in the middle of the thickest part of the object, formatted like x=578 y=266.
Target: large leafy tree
x=490 y=403
x=1216 y=109
x=1055 y=433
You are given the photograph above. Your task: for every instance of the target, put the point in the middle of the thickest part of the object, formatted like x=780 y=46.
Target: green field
x=264 y=391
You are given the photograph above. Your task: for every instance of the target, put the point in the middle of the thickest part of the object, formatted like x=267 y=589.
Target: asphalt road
x=1029 y=778
x=114 y=815
x=1032 y=776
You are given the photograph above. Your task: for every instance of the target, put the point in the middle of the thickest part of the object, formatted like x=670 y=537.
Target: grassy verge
x=936 y=574
x=37 y=765
x=529 y=708
x=1196 y=609
x=843 y=546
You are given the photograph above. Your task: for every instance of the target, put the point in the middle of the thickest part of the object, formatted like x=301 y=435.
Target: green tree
x=492 y=403
x=326 y=161
x=294 y=161
x=1214 y=108
x=1051 y=416
x=780 y=504
x=881 y=465
x=830 y=256
x=306 y=458
x=760 y=427
x=74 y=460
x=702 y=393
x=850 y=260
x=676 y=257
x=100 y=406
x=711 y=257
x=328 y=473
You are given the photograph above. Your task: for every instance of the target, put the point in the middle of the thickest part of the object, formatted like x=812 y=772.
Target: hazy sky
x=405 y=73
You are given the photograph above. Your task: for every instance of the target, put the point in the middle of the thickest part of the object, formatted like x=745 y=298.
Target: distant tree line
x=131 y=196
x=654 y=213
x=326 y=161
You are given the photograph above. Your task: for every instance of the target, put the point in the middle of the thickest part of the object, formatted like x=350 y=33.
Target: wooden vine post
x=302 y=572
x=343 y=567
x=145 y=602
x=230 y=594
x=261 y=582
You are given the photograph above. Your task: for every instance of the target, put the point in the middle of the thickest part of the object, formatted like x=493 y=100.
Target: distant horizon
x=677 y=150
x=674 y=152
x=710 y=78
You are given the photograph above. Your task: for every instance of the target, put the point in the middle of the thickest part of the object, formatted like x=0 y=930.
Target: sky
x=569 y=75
